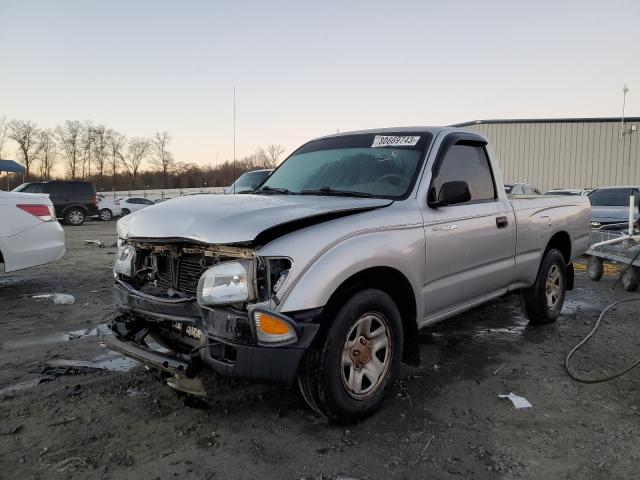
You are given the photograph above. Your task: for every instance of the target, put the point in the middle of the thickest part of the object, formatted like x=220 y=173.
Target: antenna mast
x=234 y=139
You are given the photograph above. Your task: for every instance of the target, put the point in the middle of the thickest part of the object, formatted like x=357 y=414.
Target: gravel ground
x=444 y=420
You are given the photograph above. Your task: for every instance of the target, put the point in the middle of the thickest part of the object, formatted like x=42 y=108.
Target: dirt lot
x=444 y=421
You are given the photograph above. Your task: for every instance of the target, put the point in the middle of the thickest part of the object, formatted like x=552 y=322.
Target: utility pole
x=234 y=139
x=625 y=90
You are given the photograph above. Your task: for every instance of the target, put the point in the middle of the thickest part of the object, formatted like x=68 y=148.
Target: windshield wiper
x=337 y=193
x=267 y=189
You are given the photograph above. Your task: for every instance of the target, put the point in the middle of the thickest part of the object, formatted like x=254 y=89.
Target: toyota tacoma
x=325 y=273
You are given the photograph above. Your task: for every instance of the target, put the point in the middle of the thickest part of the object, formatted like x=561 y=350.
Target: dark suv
x=73 y=200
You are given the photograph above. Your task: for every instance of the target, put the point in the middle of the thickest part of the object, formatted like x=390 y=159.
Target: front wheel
x=542 y=303
x=345 y=378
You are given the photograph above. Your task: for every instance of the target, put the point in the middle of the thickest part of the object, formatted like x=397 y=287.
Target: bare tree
x=100 y=148
x=25 y=134
x=48 y=153
x=115 y=142
x=137 y=150
x=162 y=158
x=69 y=138
x=86 y=143
x=274 y=152
x=3 y=135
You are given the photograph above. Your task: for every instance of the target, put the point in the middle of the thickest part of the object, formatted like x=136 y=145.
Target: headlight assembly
x=125 y=261
x=226 y=282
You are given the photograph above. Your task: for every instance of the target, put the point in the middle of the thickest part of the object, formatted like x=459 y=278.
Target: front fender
x=400 y=247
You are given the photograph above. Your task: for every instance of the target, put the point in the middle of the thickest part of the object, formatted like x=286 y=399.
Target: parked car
x=325 y=275
x=248 y=182
x=108 y=208
x=521 y=189
x=565 y=191
x=133 y=204
x=73 y=200
x=610 y=206
x=30 y=234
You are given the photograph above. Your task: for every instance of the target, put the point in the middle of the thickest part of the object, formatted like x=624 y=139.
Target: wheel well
x=396 y=285
x=562 y=242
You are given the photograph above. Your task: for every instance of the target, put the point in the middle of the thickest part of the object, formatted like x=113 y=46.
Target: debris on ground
x=10 y=430
x=97 y=243
x=134 y=392
x=58 y=298
x=61 y=367
x=518 y=402
x=24 y=385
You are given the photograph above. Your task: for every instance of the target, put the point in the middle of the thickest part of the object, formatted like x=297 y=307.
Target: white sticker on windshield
x=394 y=141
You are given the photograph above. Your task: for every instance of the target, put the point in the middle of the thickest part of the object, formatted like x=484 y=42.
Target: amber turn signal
x=270 y=324
x=273 y=329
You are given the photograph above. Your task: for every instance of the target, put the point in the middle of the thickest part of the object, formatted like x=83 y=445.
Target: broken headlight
x=226 y=282
x=125 y=261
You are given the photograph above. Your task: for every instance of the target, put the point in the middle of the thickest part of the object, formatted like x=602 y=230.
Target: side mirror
x=451 y=193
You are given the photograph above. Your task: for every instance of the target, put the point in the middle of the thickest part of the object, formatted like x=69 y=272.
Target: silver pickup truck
x=325 y=274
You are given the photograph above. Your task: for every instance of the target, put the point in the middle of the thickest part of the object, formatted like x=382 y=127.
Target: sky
x=304 y=69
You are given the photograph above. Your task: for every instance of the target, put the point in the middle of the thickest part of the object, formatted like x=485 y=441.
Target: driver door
x=470 y=247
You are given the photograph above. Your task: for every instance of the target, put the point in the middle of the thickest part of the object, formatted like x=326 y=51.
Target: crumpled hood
x=227 y=219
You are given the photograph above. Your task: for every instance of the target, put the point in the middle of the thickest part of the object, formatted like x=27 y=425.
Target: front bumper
x=227 y=345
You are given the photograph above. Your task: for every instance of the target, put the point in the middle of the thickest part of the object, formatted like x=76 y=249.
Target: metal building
x=565 y=152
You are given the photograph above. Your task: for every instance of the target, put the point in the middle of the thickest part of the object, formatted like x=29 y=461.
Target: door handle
x=502 y=222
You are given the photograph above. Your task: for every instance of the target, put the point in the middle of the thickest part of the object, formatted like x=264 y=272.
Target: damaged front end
x=183 y=307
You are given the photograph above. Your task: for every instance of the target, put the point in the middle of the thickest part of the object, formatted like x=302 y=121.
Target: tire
x=542 y=303
x=595 y=268
x=74 y=217
x=125 y=211
x=105 y=215
x=330 y=380
x=631 y=279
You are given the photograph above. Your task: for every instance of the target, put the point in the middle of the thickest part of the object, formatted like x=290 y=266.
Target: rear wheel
x=631 y=279
x=542 y=303
x=595 y=268
x=125 y=211
x=74 y=216
x=105 y=214
x=345 y=378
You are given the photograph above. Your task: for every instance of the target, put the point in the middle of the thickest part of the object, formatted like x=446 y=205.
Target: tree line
x=114 y=161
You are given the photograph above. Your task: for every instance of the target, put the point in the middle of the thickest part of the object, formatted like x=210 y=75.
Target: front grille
x=181 y=274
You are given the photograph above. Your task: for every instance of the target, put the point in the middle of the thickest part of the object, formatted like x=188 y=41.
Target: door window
x=468 y=163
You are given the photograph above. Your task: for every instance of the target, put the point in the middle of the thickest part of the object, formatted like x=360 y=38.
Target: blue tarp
x=11 y=166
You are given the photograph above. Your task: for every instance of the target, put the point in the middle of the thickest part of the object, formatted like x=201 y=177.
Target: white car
x=133 y=204
x=108 y=208
x=30 y=234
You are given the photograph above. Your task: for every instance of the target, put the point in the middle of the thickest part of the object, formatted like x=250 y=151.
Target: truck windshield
x=359 y=165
